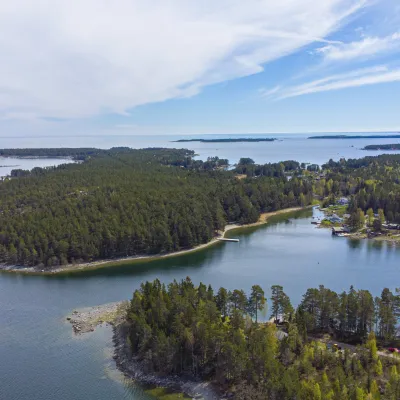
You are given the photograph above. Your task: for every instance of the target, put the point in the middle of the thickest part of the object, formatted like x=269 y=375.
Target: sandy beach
x=263 y=219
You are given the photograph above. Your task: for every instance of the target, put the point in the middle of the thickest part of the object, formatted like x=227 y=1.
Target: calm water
x=289 y=147
x=7 y=164
x=41 y=359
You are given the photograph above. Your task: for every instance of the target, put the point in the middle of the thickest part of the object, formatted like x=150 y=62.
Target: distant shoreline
x=394 y=147
x=355 y=137
x=225 y=140
x=263 y=219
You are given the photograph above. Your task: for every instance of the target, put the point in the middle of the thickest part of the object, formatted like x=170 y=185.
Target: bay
x=42 y=359
x=7 y=164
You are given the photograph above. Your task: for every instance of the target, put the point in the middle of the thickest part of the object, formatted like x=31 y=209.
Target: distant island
x=226 y=140
x=395 y=146
x=77 y=154
x=355 y=137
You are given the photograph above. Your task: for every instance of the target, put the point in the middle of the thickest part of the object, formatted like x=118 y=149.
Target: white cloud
x=269 y=92
x=361 y=77
x=71 y=59
x=366 y=48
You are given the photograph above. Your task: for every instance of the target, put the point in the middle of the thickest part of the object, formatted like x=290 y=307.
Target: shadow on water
x=189 y=262
x=286 y=218
x=354 y=244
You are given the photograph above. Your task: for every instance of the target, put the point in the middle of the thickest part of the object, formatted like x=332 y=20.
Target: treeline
x=187 y=330
x=350 y=315
x=395 y=146
x=76 y=153
x=370 y=183
x=248 y=167
x=125 y=202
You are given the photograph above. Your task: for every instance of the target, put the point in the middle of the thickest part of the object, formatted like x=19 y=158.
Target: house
x=343 y=201
x=335 y=219
x=339 y=231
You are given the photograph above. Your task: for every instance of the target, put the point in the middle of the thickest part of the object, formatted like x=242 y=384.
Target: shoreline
x=86 y=320
x=263 y=219
x=133 y=369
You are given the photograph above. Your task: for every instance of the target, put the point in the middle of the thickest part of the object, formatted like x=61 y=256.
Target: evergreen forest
x=122 y=202
x=189 y=330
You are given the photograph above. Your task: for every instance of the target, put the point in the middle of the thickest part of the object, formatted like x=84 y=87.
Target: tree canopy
x=189 y=330
x=122 y=202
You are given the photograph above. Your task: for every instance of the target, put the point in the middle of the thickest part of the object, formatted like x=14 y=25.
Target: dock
x=339 y=231
x=228 y=240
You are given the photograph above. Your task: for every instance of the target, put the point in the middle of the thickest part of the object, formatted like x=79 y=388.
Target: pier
x=228 y=240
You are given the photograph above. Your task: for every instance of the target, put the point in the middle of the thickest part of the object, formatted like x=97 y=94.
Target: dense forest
x=370 y=183
x=395 y=146
x=194 y=331
x=63 y=152
x=122 y=202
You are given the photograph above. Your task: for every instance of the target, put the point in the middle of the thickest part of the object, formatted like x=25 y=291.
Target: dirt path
x=351 y=347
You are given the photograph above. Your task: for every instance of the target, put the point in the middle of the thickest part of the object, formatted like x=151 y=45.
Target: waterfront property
x=335 y=219
x=340 y=230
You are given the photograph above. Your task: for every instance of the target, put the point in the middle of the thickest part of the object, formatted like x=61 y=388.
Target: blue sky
x=190 y=67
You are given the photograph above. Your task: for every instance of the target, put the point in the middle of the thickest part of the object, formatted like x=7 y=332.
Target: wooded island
x=395 y=146
x=228 y=140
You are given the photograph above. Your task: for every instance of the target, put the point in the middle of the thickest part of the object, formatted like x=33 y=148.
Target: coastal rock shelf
x=86 y=319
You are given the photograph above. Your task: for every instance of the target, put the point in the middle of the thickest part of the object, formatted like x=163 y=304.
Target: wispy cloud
x=366 y=48
x=73 y=59
x=269 y=92
x=361 y=77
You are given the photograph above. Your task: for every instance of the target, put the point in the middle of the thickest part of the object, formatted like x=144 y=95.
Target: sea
x=41 y=357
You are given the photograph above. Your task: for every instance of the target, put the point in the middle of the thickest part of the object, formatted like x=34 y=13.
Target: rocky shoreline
x=87 y=319
x=133 y=369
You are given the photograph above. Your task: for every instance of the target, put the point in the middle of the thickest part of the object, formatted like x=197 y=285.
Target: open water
x=41 y=359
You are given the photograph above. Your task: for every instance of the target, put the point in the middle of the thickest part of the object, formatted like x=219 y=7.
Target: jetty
x=339 y=231
x=227 y=240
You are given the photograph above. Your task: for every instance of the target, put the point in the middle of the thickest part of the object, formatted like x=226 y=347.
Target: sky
x=137 y=67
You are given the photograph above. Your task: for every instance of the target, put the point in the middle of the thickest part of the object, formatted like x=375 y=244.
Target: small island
x=395 y=146
x=355 y=137
x=229 y=140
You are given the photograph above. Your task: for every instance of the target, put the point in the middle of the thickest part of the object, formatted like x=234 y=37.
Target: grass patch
x=166 y=394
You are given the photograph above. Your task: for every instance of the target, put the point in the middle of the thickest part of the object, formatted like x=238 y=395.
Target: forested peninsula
x=195 y=332
x=122 y=203
x=228 y=140
x=64 y=152
x=395 y=146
